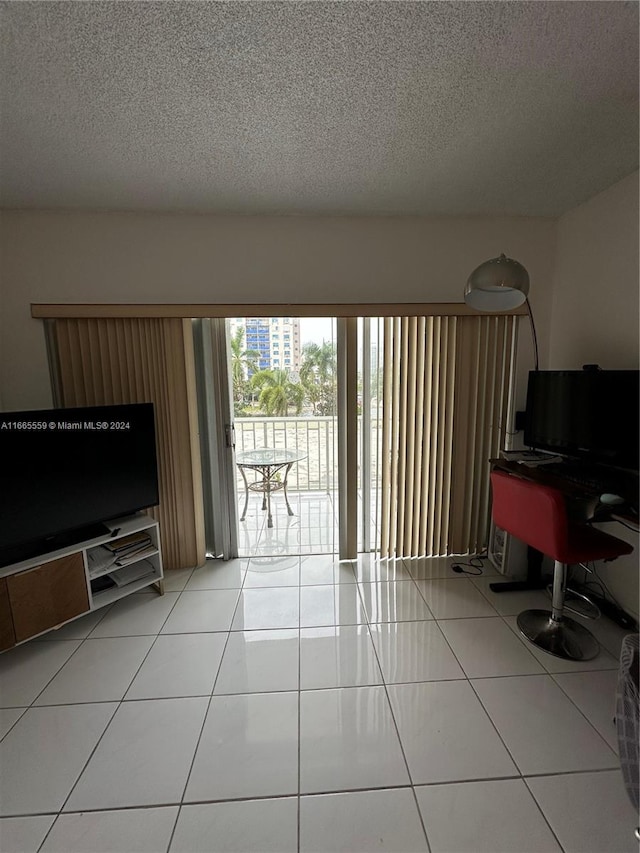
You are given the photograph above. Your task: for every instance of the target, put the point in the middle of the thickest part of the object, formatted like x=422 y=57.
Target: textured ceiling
x=513 y=108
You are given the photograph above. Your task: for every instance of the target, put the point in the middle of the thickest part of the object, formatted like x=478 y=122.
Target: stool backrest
x=533 y=513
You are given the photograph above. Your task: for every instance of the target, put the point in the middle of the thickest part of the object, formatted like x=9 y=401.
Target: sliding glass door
x=217 y=437
x=276 y=403
x=396 y=461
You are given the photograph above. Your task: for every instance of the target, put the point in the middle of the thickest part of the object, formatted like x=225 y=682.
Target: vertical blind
x=347 y=437
x=139 y=360
x=446 y=390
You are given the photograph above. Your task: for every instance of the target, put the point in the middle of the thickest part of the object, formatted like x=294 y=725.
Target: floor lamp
x=502 y=284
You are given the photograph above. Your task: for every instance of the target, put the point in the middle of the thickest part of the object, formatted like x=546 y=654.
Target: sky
x=316 y=330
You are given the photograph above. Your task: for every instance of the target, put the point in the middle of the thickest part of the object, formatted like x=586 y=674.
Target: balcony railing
x=313 y=436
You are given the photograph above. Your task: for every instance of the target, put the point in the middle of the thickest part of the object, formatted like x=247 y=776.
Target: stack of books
x=530 y=458
x=121 y=562
x=129 y=549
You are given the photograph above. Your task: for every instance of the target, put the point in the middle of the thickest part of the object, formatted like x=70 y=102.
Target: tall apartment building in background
x=275 y=339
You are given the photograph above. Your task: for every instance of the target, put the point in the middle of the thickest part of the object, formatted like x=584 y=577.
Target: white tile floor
x=307 y=705
x=312 y=529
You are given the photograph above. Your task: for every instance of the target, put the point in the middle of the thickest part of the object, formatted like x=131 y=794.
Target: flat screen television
x=64 y=472
x=590 y=415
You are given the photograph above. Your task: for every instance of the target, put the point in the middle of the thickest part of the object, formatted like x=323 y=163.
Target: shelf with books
x=124 y=564
x=47 y=591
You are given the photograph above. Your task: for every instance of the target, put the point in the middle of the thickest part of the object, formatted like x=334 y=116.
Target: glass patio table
x=272 y=466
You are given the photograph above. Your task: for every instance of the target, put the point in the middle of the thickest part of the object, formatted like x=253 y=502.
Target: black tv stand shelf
x=52 y=588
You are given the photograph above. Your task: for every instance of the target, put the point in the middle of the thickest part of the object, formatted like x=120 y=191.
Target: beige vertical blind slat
x=467 y=400
x=385 y=462
x=432 y=471
x=403 y=345
x=426 y=441
x=135 y=360
x=492 y=357
x=123 y=357
x=107 y=336
x=412 y=353
x=395 y=426
x=137 y=364
x=480 y=456
x=103 y=343
x=70 y=372
x=88 y=376
x=62 y=346
x=435 y=357
x=448 y=432
x=470 y=445
x=193 y=438
x=441 y=437
x=445 y=398
x=418 y=427
x=347 y=356
x=496 y=337
x=158 y=377
x=467 y=397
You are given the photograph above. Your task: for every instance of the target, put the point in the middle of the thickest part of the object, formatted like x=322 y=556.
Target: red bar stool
x=537 y=515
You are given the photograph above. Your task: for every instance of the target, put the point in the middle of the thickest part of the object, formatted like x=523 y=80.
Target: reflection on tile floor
x=295 y=703
x=312 y=529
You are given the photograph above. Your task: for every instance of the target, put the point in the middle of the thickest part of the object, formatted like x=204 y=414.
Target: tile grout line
x=119 y=704
x=580 y=711
x=206 y=714
x=322 y=793
x=515 y=764
x=468 y=680
x=464 y=677
x=204 y=720
x=544 y=817
x=396 y=728
x=568 y=672
x=385 y=684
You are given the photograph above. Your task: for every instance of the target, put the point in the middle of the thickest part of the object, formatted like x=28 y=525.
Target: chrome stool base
x=564 y=638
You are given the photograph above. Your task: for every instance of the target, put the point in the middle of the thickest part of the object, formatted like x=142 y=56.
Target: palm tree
x=277 y=393
x=243 y=364
x=317 y=373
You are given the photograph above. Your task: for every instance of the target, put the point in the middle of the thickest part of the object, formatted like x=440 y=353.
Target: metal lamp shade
x=497 y=285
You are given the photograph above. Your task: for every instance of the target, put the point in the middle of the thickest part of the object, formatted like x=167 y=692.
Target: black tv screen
x=585 y=414
x=63 y=472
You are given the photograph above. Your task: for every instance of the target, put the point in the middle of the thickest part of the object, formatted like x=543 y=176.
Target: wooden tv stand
x=45 y=592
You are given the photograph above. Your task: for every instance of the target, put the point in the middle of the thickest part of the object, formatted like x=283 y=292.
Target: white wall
x=121 y=257
x=595 y=317
x=595 y=286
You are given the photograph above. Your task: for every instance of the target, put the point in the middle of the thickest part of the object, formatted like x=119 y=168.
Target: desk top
x=623 y=484
x=267 y=456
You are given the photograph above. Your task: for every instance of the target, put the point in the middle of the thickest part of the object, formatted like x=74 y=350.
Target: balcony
x=311 y=487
